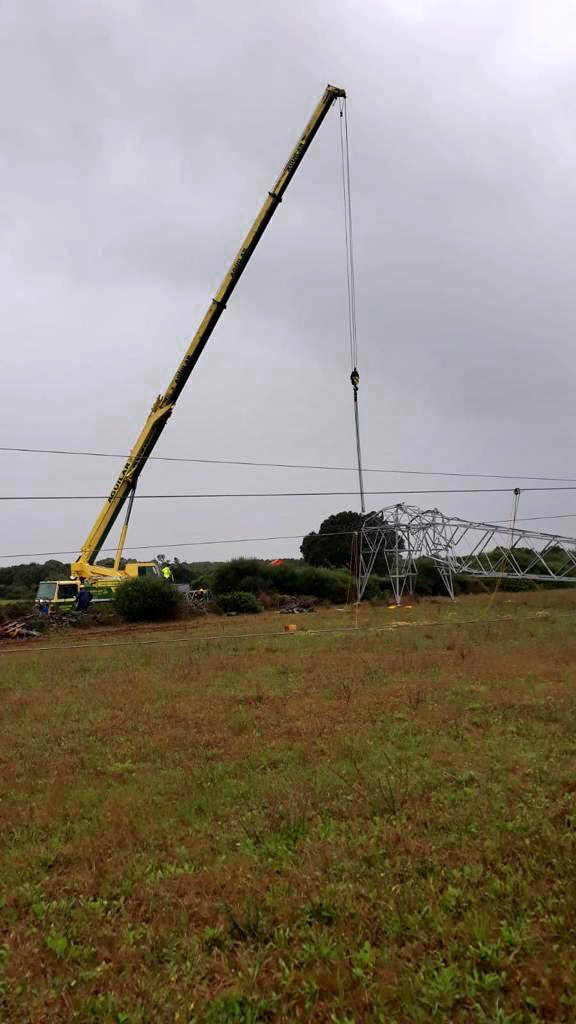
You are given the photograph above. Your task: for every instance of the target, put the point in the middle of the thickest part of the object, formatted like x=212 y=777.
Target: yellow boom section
x=164 y=404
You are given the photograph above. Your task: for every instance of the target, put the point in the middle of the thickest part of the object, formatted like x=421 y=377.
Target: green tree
x=20 y=581
x=332 y=546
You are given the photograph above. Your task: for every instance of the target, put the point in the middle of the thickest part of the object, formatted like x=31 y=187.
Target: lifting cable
x=513 y=520
x=516 y=502
x=351 y=289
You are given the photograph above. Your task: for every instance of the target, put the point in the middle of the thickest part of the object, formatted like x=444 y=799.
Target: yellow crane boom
x=162 y=408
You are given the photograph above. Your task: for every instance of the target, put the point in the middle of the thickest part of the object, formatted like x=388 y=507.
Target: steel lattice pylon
x=400 y=534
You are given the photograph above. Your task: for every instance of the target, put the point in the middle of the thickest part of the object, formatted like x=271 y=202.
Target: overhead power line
x=244 y=540
x=532 y=519
x=185 y=544
x=294 y=465
x=278 y=494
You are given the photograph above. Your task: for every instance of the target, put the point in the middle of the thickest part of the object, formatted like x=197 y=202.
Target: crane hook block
x=355 y=379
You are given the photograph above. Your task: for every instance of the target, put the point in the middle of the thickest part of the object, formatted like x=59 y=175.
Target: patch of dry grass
x=356 y=827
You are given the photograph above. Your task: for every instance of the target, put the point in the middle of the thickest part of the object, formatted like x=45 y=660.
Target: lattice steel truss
x=396 y=536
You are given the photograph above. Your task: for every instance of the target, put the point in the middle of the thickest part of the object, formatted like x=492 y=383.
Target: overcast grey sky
x=138 y=141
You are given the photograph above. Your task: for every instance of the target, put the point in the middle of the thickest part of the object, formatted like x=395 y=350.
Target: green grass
x=376 y=827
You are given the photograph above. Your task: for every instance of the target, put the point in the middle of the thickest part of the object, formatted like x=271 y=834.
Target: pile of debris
x=296 y=605
x=17 y=630
x=35 y=624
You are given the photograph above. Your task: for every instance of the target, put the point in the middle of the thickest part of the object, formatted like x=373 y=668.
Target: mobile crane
x=104 y=580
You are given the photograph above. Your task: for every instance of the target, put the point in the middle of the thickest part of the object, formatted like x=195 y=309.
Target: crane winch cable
x=351 y=289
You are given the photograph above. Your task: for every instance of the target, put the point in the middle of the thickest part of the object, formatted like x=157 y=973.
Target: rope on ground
x=31 y=648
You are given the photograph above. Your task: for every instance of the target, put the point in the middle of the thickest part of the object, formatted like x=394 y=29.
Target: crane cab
x=139 y=569
x=57 y=592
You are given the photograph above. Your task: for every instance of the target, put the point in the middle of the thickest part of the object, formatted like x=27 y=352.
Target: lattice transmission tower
x=396 y=537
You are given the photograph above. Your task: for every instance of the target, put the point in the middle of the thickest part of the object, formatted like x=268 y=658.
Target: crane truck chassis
x=104 y=580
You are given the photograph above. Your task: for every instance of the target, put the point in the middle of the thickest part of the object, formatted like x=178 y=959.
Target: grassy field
x=345 y=827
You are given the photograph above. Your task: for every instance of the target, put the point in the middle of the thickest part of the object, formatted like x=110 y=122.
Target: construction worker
x=167 y=574
x=83 y=600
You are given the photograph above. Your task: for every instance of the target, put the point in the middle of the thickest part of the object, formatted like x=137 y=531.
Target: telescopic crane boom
x=123 y=490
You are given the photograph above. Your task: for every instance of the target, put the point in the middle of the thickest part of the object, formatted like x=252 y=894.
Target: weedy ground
x=351 y=827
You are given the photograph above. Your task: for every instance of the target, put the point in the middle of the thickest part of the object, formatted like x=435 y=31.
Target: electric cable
x=276 y=494
x=295 y=465
x=245 y=540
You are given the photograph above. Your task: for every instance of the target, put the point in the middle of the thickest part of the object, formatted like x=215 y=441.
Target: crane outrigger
x=105 y=579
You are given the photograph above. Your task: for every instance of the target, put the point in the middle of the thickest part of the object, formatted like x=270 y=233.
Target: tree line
x=324 y=571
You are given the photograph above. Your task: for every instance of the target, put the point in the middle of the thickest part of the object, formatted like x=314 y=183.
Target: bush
x=15 y=610
x=377 y=589
x=239 y=601
x=102 y=613
x=242 y=575
x=327 y=584
x=254 y=577
x=147 y=600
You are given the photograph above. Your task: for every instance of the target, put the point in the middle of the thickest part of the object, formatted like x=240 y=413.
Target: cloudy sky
x=138 y=141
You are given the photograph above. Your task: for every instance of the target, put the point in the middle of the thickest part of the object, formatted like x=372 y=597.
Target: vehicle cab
x=60 y=592
x=139 y=569
x=63 y=593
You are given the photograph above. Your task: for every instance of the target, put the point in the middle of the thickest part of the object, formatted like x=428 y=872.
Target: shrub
x=240 y=601
x=15 y=610
x=147 y=600
x=377 y=588
x=327 y=584
x=252 y=576
x=103 y=613
x=242 y=574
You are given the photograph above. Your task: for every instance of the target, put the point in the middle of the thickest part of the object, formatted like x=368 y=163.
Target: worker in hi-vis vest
x=167 y=573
